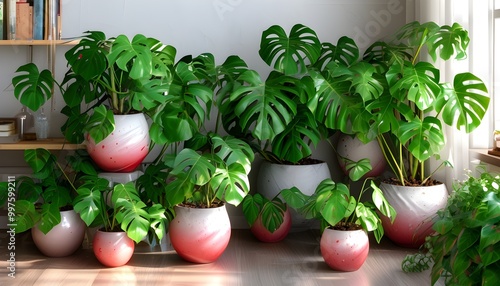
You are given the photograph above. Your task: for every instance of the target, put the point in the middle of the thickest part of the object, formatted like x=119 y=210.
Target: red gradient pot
x=125 y=148
x=113 y=249
x=344 y=250
x=261 y=233
x=200 y=235
x=415 y=207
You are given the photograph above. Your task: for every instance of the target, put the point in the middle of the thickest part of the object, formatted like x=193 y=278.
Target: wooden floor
x=246 y=261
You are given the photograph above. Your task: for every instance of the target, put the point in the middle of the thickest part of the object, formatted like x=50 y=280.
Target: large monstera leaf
x=133 y=56
x=465 y=103
x=418 y=83
x=346 y=53
x=32 y=87
x=290 y=54
x=265 y=107
x=294 y=142
x=425 y=137
x=88 y=57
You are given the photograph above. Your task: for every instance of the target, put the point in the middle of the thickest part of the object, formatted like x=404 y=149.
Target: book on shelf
x=2 y=27
x=30 y=20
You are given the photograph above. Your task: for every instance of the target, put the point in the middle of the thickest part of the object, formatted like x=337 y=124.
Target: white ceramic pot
x=355 y=150
x=64 y=238
x=344 y=250
x=200 y=235
x=273 y=178
x=415 y=207
x=112 y=249
x=125 y=148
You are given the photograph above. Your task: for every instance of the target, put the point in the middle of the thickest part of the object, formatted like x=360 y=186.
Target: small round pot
x=200 y=235
x=344 y=250
x=63 y=239
x=263 y=234
x=112 y=249
x=272 y=178
x=125 y=148
x=352 y=148
x=415 y=207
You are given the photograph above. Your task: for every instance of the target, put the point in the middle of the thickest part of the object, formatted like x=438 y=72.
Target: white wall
x=222 y=27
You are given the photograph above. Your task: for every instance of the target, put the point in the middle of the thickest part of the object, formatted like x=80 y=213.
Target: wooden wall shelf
x=484 y=156
x=38 y=42
x=49 y=144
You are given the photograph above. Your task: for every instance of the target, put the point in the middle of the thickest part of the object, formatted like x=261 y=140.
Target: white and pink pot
x=200 y=235
x=353 y=149
x=125 y=148
x=344 y=250
x=415 y=207
x=113 y=249
x=263 y=234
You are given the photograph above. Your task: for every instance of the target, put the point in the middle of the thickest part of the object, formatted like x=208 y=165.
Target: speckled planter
x=64 y=238
x=125 y=148
x=200 y=235
x=415 y=207
x=344 y=250
x=112 y=249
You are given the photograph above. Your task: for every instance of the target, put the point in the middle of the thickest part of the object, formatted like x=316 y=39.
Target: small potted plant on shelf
x=394 y=96
x=44 y=201
x=465 y=248
x=120 y=216
x=345 y=219
x=109 y=82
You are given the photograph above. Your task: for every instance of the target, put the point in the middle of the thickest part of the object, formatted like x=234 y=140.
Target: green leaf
x=289 y=54
x=358 y=169
x=100 y=124
x=272 y=214
x=50 y=217
x=26 y=216
x=426 y=137
x=198 y=168
x=41 y=162
x=32 y=87
x=233 y=151
x=294 y=197
x=451 y=41
x=381 y=202
x=133 y=56
x=251 y=206
x=88 y=57
x=88 y=204
x=467 y=239
x=134 y=219
x=230 y=184
x=465 y=104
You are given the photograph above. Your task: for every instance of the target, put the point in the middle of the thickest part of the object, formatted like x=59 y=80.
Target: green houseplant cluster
x=465 y=249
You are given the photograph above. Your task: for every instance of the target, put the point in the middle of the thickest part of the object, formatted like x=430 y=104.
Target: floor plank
x=246 y=261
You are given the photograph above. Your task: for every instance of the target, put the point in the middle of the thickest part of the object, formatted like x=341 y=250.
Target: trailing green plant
x=50 y=189
x=465 y=248
x=395 y=96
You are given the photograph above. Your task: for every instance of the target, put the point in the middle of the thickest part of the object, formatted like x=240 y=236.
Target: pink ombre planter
x=113 y=249
x=261 y=233
x=344 y=250
x=200 y=235
x=125 y=148
x=415 y=207
x=63 y=239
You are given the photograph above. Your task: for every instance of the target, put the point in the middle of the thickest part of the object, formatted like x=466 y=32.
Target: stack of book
x=30 y=19
x=8 y=132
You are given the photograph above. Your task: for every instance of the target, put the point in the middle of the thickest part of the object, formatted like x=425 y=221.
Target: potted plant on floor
x=109 y=81
x=44 y=201
x=394 y=96
x=120 y=215
x=345 y=220
x=465 y=248
x=276 y=114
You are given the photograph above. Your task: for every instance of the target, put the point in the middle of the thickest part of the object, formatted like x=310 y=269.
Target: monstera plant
x=393 y=94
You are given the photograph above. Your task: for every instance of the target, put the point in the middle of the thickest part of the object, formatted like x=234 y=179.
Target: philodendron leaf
x=251 y=206
x=290 y=54
x=231 y=184
x=32 y=87
x=134 y=219
x=100 y=124
x=381 y=202
x=489 y=244
x=426 y=137
x=87 y=204
x=294 y=197
x=133 y=56
x=25 y=215
x=50 y=217
x=358 y=169
x=198 y=168
x=39 y=159
x=464 y=104
x=272 y=214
